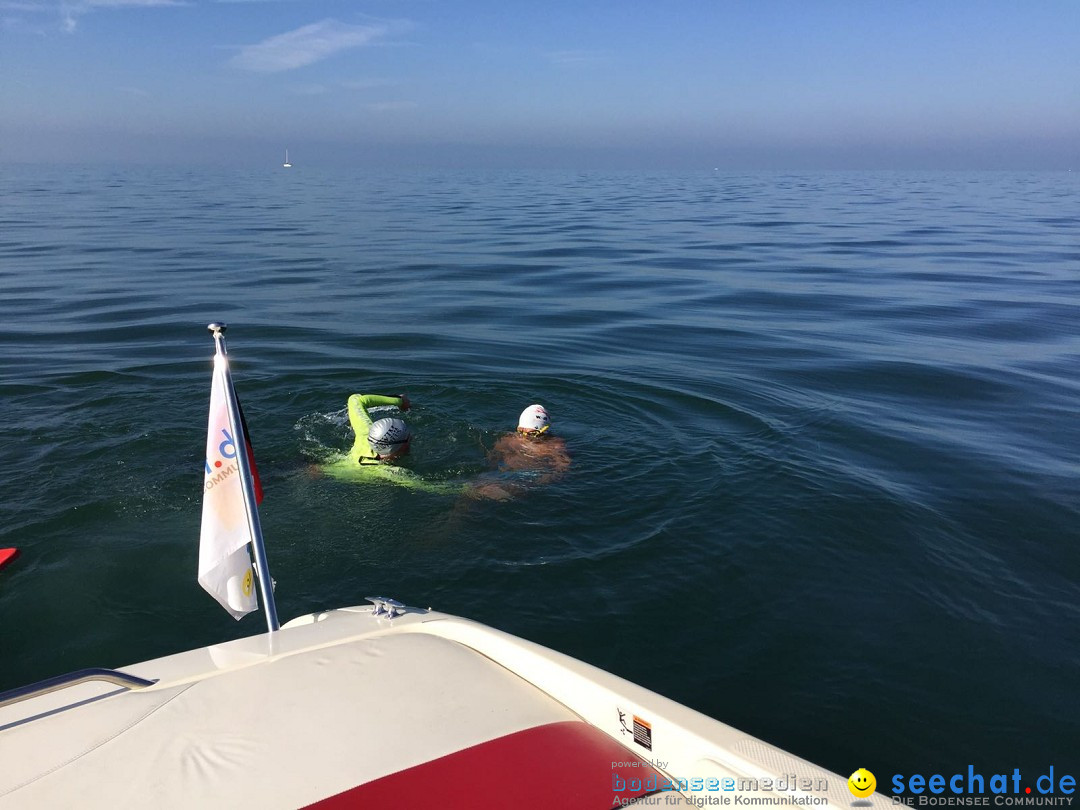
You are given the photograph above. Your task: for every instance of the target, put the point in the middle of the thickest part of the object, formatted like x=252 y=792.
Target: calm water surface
x=824 y=429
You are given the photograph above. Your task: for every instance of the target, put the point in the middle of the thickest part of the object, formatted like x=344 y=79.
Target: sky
x=865 y=84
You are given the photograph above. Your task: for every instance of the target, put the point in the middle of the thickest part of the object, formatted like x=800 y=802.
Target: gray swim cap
x=387 y=436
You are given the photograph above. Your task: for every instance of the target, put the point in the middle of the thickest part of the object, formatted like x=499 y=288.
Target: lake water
x=824 y=429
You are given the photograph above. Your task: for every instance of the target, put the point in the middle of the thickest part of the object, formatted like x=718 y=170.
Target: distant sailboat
x=286 y=164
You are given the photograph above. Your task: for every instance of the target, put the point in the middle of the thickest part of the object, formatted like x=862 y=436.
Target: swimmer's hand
x=405 y=405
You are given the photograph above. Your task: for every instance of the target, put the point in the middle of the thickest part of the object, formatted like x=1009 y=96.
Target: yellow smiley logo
x=861 y=783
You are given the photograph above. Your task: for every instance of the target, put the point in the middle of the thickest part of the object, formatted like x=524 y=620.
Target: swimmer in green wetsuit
x=378 y=445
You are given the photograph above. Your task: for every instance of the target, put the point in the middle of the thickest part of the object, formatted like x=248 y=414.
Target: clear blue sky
x=580 y=84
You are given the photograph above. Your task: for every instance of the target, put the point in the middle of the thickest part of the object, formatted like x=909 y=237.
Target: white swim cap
x=534 y=418
x=388 y=436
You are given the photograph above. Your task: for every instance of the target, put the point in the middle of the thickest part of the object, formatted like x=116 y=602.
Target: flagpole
x=262 y=569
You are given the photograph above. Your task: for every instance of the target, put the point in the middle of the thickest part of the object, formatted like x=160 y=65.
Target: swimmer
x=529 y=456
x=379 y=446
x=532 y=447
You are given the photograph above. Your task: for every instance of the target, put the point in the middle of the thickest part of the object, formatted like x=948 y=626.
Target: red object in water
x=7 y=555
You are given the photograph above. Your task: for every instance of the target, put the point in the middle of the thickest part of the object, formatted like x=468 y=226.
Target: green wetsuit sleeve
x=361 y=421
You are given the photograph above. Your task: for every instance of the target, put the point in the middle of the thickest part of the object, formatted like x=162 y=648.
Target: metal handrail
x=71 y=679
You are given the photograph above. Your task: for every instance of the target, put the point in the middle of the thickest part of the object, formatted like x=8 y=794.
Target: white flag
x=224 y=561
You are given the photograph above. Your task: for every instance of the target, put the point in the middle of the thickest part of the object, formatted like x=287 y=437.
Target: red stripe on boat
x=568 y=764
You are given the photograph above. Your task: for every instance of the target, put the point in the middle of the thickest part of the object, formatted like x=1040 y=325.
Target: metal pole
x=262 y=569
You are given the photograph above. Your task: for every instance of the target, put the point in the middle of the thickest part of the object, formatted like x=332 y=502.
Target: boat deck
x=391 y=720
x=353 y=708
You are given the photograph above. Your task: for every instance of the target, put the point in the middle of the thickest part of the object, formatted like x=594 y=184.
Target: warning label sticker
x=642 y=732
